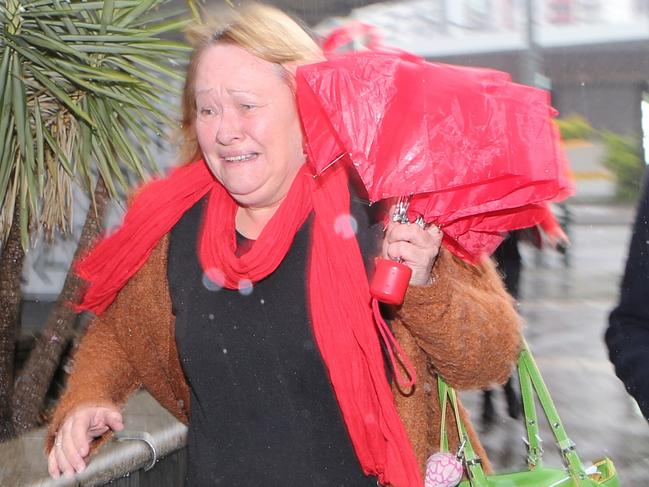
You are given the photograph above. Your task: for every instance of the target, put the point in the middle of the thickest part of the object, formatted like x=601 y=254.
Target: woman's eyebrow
x=240 y=92
x=230 y=91
x=203 y=91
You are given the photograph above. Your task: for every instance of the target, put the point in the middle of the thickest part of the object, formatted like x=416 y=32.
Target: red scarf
x=338 y=291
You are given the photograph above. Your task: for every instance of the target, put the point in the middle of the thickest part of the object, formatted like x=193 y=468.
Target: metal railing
x=150 y=451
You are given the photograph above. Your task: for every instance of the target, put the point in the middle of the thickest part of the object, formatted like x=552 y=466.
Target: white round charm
x=443 y=470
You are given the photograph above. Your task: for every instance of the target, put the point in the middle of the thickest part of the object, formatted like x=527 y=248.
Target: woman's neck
x=250 y=222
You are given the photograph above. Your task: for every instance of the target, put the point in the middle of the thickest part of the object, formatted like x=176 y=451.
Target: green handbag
x=602 y=473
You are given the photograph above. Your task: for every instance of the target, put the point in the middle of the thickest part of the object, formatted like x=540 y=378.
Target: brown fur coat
x=463 y=326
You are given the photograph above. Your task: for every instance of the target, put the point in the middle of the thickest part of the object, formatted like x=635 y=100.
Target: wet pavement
x=566 y=310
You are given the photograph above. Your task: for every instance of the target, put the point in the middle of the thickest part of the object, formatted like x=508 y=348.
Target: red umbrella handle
x=390 y=281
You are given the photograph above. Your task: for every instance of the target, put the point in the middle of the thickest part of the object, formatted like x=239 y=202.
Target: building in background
x=593 y=53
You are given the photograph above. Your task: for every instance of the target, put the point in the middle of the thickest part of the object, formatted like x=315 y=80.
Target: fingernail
x=81 y=467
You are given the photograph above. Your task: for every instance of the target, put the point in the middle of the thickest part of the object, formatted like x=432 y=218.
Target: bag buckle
x=460 y=449
x=567 y=446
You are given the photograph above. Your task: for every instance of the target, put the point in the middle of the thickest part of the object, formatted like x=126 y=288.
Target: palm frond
x=83 y=85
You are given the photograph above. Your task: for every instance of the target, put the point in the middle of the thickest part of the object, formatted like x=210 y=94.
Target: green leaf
x=144 y=75
x=138 y=98
x=73 y=77
x=155 y=17
x=24 y=216
x=97 y=27
x=19 y=104
x=62 y=96
x=86 y=140
x=103 y=166
x=133 y=120
x=121 y=50
x=175 y=25
x=7 y=167
x=6 y=121
x=122 y=38
x=99 y=73
x=83 y=154
x=4 y=75
x=76 y=7
x=107 y=14
x=49 y=31
x=31 y=173
x=123 y=96
x=66 y=19
x=40 y=40
x=40 y=145
x=193 y=8
x=38 y=3
x=113 y=141
x=129 y=16
x=169 y=46
x=157 y=67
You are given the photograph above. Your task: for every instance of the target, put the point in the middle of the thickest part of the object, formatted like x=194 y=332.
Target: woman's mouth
x=240 y=157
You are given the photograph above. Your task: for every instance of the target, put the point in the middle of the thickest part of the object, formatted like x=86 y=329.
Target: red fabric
x=338 y=291
x=153 y=213
x=471 y=145
x=346 y=35
x=549 y=224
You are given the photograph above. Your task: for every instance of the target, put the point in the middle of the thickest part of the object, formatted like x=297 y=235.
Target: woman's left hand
x=417 y=248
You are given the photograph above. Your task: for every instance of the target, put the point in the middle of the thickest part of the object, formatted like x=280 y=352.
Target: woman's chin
x=247 y=196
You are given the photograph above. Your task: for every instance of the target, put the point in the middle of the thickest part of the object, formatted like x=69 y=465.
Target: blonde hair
x=264 y=31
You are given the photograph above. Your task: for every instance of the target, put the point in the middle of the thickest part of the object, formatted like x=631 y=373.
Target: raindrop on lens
x=213 y=280
x=346 y=226
x=245 y=287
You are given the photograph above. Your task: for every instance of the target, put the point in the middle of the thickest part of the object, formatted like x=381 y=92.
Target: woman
x=282 y=367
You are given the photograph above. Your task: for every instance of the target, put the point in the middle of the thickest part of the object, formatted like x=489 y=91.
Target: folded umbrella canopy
x=478 y=152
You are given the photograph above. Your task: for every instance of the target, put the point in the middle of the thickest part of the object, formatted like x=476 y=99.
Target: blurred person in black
x=510 y=265
x=627 y=336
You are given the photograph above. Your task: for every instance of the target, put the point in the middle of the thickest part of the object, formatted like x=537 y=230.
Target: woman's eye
x=247 y=106
x=206 y=112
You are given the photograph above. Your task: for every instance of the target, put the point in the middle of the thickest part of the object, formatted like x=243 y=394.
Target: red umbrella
x=478 y=151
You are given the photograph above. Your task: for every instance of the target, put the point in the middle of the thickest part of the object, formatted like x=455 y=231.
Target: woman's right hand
x=80 y=427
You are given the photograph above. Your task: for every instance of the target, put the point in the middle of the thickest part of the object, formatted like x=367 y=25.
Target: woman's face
x=247 y=125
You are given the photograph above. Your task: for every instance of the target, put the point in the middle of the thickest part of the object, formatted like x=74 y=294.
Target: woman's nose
x=229 y=129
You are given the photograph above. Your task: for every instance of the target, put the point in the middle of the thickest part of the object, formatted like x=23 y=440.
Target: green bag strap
x=534 y=449
x=471 y=460
x=531 y=380
x=527 y=367
x=442 y=391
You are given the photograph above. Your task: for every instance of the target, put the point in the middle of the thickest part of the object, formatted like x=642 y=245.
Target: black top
x=263 y=411
x=628 y=334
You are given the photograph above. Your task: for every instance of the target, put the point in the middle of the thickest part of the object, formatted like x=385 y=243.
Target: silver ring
x=58 y=444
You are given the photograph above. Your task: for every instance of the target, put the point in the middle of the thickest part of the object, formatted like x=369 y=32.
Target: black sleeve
x=627 y=336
